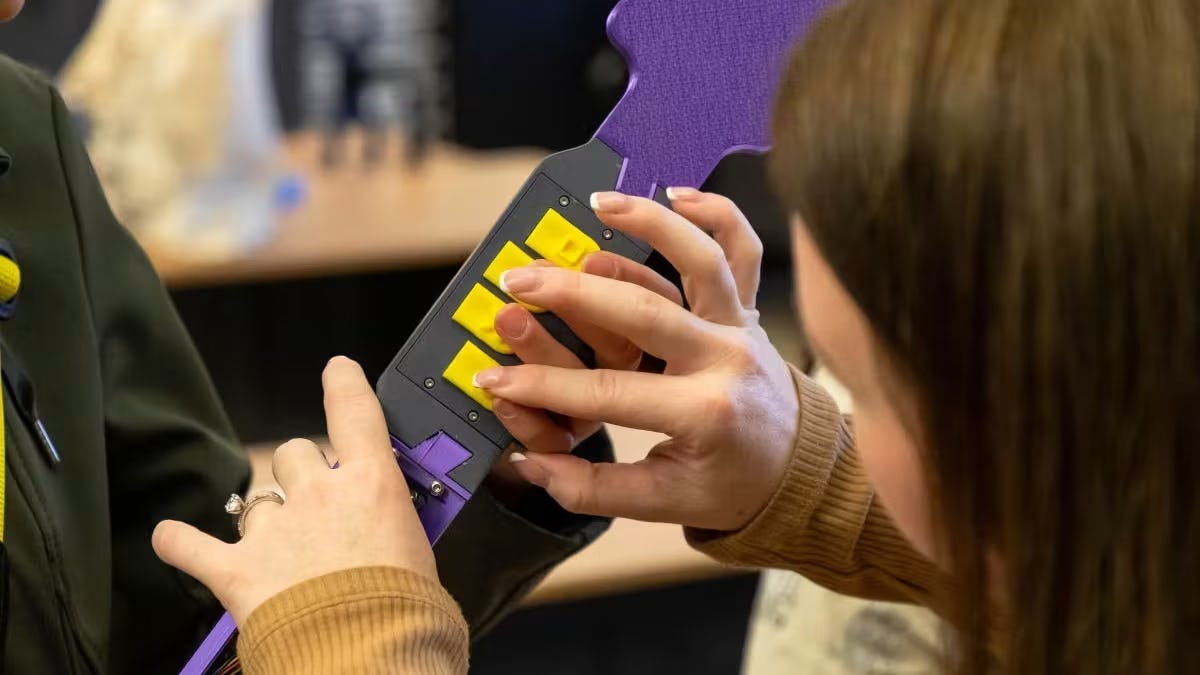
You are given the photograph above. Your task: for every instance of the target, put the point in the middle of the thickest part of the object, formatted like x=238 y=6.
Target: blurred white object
x=183 y=125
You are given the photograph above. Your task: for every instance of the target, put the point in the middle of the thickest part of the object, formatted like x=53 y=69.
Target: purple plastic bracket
x=702 y=75
x=430 y=461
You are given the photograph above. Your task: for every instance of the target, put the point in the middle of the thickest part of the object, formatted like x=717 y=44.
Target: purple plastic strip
x=430 y=461
x=212 y=647
x=703 y=74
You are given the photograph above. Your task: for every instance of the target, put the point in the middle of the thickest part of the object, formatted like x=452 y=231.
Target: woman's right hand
x=726 y=399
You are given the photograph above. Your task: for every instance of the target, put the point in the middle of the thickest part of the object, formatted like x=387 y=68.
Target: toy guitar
x=703 y=74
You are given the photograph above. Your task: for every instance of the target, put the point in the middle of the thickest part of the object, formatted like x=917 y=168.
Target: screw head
x=429 y=383
x=564 y=201
x=607 y=234
x=437 y=489
x=473 y=416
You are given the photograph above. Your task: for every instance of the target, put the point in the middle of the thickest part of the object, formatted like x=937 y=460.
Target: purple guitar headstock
x=702 y=77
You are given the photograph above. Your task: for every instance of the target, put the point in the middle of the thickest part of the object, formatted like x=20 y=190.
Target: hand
x=359 y=515
x=726 y=399
x=535 y=430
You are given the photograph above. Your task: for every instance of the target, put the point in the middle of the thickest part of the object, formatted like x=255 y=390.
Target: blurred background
x=307 y=176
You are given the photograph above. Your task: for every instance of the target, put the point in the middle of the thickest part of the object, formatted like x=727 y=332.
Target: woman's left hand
x=359 y=515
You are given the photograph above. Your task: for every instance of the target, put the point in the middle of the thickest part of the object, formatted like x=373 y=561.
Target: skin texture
x=9 y=9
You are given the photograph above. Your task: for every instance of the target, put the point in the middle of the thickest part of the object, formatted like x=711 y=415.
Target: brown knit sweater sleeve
x=824 y=520
x=378 y=620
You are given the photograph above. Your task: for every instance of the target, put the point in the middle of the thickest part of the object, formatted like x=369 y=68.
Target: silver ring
x=239 y=508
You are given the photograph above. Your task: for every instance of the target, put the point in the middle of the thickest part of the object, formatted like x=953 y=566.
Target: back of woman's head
x=1010 y=191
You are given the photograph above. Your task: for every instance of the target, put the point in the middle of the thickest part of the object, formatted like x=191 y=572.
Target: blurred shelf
x=632 y=555
x=360 y=219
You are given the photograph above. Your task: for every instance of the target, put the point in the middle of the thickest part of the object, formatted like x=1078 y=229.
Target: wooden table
x=357 y=219
x=630 y=556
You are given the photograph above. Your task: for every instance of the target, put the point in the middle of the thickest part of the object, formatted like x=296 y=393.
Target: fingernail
x=520 y=280
x=610 y=202
x=601 y=266
x=337 y=358
x=504 y=410
x=682 y=194
x=512 y=323
x=487 y=378
x=531 y=471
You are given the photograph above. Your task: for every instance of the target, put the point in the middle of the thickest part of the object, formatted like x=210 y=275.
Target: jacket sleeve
x=825 y=521
x=171 y=452
x=494 y=554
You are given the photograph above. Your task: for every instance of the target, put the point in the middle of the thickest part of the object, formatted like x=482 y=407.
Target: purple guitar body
x=703 y=74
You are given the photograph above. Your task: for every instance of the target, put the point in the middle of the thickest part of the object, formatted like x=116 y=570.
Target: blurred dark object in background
x=46 y=32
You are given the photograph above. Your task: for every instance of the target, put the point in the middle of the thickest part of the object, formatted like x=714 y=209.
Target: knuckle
x=604 y=386
x=647 y=308
x=720 y=407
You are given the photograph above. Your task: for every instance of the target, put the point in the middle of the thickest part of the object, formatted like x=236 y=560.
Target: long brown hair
x=1009 y=190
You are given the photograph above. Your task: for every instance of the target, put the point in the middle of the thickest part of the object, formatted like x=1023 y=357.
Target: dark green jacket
x=142 y=436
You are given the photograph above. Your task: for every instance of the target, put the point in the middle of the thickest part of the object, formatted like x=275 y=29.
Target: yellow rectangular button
x=461 y=372
x=510 y=256
x=477 y=313
x=560 y=242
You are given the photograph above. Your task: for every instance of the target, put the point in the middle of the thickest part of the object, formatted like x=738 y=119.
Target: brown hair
x=1009 y=190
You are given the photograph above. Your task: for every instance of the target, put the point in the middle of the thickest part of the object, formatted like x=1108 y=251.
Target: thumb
x=602 y=489
x=193 y=552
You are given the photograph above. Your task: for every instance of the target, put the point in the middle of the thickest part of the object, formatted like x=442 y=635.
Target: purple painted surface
x=211 y=648
x=433 y=460
x=703 y=74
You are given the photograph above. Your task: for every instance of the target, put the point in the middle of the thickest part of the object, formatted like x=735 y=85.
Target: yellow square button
x=461 y=372
x=509 y=257
x=477 y=313
x=560 y=242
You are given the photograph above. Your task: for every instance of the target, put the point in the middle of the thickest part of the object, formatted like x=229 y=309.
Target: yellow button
x=509 y=257
x=477 y=313
x=560 y=242
x=461 y=372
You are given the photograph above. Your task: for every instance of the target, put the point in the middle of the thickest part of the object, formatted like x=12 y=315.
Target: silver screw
x=564 y=201
x=437 y=489
x=429 y=383
x=473 y=416
x=607 y=234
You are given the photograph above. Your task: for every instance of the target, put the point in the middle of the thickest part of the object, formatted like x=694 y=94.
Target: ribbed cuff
x=803 y=485
x=366 y=619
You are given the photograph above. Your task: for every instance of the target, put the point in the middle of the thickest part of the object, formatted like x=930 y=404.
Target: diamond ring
x=239 y=508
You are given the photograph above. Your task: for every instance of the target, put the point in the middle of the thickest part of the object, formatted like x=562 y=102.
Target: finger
x=613 y=351
x=534 y=429
x=294 y=461
x=653 y=323
x=530 y=341
x=613 y=266
x=601 y=489
x=353 y=416
x=639 y=400
x=729 y=226
x=206 y=559
x=707 y=281
x=259 y=517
